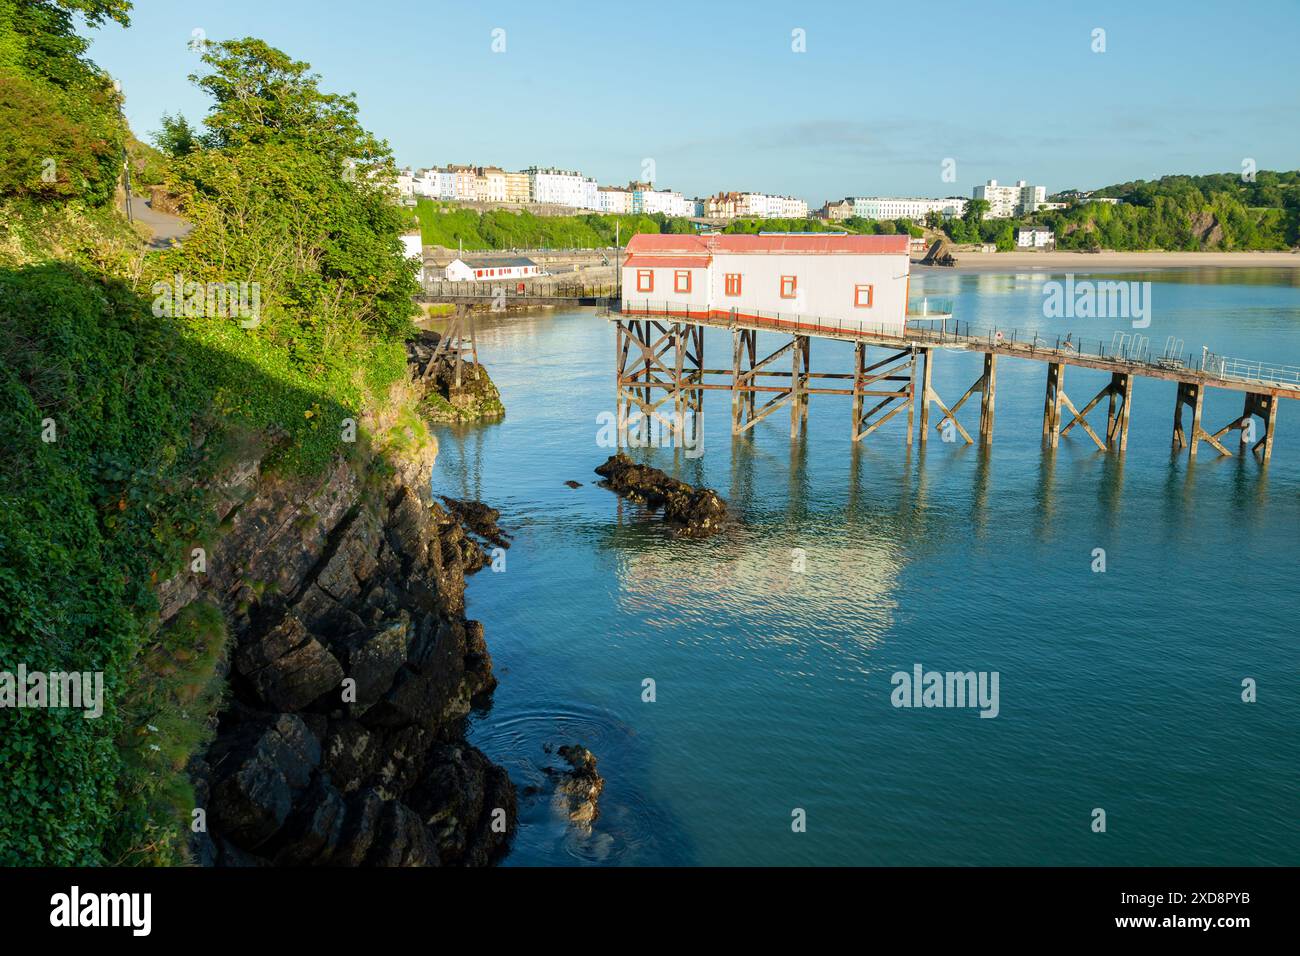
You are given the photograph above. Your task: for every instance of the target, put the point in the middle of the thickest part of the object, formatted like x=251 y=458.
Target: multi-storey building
x=517 y=189
x=916 y=209
x=722 y=206
x=463 y=180
x=614 y=199
x=1005 y=201
x=489 y=184
x=561 y=187
x=405 y=183
x=787 y=207
x=838 y=211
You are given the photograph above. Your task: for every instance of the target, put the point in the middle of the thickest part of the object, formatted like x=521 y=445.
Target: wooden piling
x=988 y=397
x=1198 y=402
x=927 y=356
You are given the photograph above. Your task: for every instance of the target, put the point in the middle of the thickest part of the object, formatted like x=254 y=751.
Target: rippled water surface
x=1118 y=690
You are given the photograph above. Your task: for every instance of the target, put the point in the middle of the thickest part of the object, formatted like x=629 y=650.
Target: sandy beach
x=1114 y=261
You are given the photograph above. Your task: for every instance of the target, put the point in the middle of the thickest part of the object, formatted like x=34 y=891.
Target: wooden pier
x=660 y=366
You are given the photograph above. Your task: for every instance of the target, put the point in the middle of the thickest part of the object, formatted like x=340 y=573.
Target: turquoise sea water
x=1118 y=690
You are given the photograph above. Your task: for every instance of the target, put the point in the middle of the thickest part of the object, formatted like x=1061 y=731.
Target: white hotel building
x=1006 y=201
x=763 y=206
x=916 y=209
x=614 y=199
x=562 y=187
x=859 y=281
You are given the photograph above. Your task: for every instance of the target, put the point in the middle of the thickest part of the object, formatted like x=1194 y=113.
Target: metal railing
x=1243 y=370
x=517 y=289
x=1130 y=351
x=929 y=305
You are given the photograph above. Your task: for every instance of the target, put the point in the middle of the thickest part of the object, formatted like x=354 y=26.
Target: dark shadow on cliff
x=174 y=516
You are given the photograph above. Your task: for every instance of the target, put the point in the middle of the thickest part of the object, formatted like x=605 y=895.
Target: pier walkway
x=660 y=360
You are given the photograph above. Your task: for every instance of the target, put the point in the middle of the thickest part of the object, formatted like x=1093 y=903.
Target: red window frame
x=645 y=280
x=678 y=276
x=793 y=282
x=732 y=284
x=478 y=273
x=857 y=295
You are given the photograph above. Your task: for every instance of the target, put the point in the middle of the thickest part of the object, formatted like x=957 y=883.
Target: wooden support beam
x=900 y=366
x=798 y=384
x=927 y=356
x=988 y=395
x=1117 y=415
x=911 y=396
x=950 y=414
x=1266 y=407
x=737 y=397
x=1078 y=417
x=1126 y=384
x=859 y=370
x=1198 y=403
x=1180 y=399
x=1052 y=403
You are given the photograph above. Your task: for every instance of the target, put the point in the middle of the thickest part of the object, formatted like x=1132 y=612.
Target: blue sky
x=713 y=93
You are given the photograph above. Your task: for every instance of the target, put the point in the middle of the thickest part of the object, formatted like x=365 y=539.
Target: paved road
x=167 y=229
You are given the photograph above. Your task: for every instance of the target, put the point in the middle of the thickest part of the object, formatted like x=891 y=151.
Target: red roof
x=668 y=262
x=820 y=244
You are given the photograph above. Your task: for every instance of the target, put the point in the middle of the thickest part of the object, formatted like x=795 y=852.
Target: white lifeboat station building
x=849 y=280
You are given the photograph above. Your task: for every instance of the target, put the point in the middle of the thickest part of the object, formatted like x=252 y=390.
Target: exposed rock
x=1207 y=229
x=288 y=667
x=580 y=786
x=475 y=399
x=468 y=803
x=354 y=576
x=258 y=772
x=373 y=657
x=573 y=484
x=479 y=520
x=694 y=512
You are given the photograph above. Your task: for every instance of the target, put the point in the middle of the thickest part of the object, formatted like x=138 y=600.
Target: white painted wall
x=458 y=271
x=664 y=289
x=824 y=288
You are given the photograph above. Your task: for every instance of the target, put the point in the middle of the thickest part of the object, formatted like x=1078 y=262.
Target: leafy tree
x=61 y=134
x=261 y=95
x=176 y=138
x=276 y=199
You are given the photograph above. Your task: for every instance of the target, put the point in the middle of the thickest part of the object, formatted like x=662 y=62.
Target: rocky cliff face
x=352 y=668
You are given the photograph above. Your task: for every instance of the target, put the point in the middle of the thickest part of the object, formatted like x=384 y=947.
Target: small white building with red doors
x=492 y=269
x=852 y=280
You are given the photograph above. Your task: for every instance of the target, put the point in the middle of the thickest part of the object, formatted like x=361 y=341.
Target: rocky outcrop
x=1207 y=229
x=578 y=788
x=693 y=512
x=475 y=398
x=352 y=669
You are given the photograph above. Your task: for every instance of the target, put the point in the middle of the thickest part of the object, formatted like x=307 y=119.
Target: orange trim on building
x=667 y=262
x=793 y=282
x=667 y=244
x=843 y=325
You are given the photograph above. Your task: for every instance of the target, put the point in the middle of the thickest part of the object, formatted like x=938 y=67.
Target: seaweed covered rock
x=694 y=512
x=475 y=398
x=579 y=787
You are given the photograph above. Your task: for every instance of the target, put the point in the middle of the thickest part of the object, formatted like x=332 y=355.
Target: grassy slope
x=141 y=408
